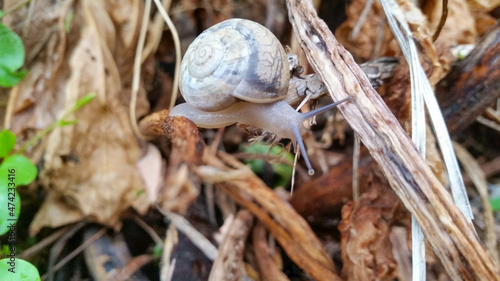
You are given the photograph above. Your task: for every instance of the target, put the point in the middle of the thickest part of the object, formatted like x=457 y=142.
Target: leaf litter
x=98 y=169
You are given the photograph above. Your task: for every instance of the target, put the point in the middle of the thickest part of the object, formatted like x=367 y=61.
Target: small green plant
x=67 y=20
x=158 y=251
x=283 y=172
x=18 y=270
x=11 y=57
x=495 y=203
x=17 y=170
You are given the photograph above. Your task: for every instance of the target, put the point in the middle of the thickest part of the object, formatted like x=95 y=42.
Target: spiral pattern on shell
x=235 y=59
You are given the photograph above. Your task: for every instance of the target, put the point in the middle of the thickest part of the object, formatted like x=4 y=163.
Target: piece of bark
x=227 y=266
x=473 y=84
x=450 y=234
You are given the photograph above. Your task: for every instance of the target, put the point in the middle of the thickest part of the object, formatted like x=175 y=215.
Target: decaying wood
x=449 y=233
x=290 y=230
x=472 y=84
x=227 y=266
x=180 y=188
x=186 y=140
x=268 y=269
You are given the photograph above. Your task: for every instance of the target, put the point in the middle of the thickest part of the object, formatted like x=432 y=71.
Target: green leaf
x=11 y=50
x=9 y=78
x=24 y=271
x=283 y=171
x=157 y=251
x=11 y=57
x=4 y=251
x=67 y=20
x=83 y=101
x=11 y=207
x=16 y=169
x=63 y=123
x=495 y=203
x=7 y=142
x=1 y=14
x=138 y=193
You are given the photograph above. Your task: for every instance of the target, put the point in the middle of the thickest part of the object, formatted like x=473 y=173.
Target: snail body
x=253 y=114
x=238 y=72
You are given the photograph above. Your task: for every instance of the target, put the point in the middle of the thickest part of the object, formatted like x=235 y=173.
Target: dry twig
x=472 y=84
x=450 y=234
x=268 y=269
x=227 y=266
x=289 y=228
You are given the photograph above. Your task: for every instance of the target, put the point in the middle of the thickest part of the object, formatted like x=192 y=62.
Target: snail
x=237 y=72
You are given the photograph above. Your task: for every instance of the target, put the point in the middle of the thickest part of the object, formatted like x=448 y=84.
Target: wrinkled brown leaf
x=365 y=228
x=89 y=169
x=363 y=46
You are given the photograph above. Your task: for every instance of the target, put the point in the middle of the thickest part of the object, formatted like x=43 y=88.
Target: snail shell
x=235 y=59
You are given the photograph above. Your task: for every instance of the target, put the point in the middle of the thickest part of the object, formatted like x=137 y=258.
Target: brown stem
x=228 y=264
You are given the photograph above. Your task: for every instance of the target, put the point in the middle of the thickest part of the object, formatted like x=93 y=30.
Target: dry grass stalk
x=289 y=228
x=167 y=265
x=451 y=236
x=229 y=262
x=267 y=267
x=478 y=177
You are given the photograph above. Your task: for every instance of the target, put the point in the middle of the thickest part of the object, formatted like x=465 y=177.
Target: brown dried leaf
x=483 y=5
x=41 y=29
x=484 y=22
x=151 y=166
x=363 y=46
x=365 y=228
x=206 y=14
x=459 y=27
x=422 y=31
x=89 y=169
